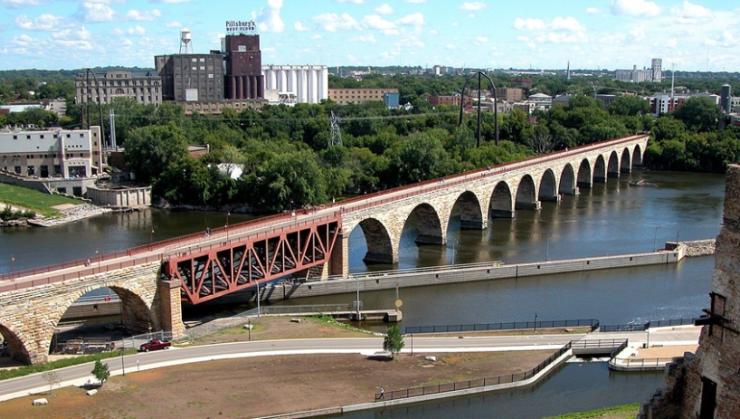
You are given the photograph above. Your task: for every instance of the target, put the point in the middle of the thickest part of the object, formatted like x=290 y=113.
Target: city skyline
x=599 y=34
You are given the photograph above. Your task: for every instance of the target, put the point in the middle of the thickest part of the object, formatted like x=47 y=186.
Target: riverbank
x=43 y=210
x=268 y=385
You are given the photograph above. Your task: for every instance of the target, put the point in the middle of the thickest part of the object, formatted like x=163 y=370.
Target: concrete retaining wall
x=341 y=286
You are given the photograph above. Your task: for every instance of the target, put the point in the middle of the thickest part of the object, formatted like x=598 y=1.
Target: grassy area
x=614 y=412
x=33 y=200
x=60 y=363
x=332 y=322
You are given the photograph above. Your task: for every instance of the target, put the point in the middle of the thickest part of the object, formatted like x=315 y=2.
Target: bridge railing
x=342 y=206
x=425 y=269
x=637 y=327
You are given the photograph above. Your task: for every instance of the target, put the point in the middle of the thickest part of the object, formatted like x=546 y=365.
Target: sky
x=690 y=35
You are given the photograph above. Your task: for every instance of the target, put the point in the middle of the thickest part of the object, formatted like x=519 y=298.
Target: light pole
x=97 y=252
x=258 y=299
x=547 y=250
x=357 y=298
x=495 y=105
x=227 y=224
x=123 y=366
x=655 y=238
x=12 y=263
x=535 y=322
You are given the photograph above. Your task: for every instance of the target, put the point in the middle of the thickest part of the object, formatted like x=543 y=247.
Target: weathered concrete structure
x=152 y=280
x=708 y=385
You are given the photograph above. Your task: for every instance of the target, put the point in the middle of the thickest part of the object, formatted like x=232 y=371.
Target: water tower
x=185 y=40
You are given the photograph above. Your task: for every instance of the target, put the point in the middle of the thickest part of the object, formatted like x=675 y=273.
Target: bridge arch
x=548 y=190
x=613 y=166
x=136 y=313
x=600 y=169
x=425 y=223
x=625 y=162
x=584 y=174
x=378 y=241
x=637 y=156
x=526 y=193
x=15 y=348
x=468 y=208
x=567 y=184
x=502 y=203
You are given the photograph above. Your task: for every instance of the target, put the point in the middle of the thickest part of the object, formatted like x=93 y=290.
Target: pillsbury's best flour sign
x=240 y=26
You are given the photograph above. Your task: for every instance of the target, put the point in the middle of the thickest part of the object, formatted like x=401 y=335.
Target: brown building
x=191 y=77
x=707 y=385
x=243 y=58
x=510 y=94
x=344 y=96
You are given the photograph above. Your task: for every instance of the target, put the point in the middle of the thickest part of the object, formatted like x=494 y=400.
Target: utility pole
x=336 y=135
x=495 y=104
x=112 y=124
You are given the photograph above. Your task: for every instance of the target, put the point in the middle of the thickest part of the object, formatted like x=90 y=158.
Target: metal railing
x=598 y=343
x=642 y=362
x=638 y=327
x=475 y=383
x=84 y=346
x=424 y=269
x=474 y=327
x=300 y=309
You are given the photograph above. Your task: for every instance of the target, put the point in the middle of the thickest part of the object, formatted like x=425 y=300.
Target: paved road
x=12 y=388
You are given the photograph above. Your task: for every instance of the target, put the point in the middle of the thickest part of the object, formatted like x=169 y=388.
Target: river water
x=575 y=387
x=608 y=219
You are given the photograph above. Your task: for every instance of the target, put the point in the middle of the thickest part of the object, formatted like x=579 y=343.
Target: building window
x=17 y=170
x=15 y=137
x=717 y=309
x=31 y=170
x=28 y=137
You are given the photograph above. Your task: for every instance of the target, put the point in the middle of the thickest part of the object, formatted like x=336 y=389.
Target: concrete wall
x=340 y=286
x=121 y=198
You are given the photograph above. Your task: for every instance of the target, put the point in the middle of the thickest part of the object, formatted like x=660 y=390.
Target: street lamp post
x=227 y=224
x=258 y=299
x=480 y=75
x=357 y=297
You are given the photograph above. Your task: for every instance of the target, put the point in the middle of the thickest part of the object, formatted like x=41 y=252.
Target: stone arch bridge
x=154 y=280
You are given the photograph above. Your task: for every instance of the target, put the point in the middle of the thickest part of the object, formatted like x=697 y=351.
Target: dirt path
x=251 y=387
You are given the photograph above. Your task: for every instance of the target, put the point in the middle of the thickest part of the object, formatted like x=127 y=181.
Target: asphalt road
x=336 y=345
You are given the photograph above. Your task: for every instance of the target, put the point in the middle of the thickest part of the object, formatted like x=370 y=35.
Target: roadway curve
x=79 y=374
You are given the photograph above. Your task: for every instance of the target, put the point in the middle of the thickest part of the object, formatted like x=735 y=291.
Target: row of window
x=119 y=83
x=41 y=136
x=43 y=156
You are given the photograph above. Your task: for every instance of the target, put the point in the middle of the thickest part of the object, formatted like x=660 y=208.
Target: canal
x=577 y=386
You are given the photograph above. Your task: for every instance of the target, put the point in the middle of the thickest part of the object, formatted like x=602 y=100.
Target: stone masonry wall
x=31 y=314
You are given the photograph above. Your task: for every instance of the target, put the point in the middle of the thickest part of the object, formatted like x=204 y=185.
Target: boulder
x=40 y=402
x=91 y=392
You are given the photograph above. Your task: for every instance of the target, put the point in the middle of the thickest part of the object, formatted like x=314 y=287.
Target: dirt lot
x=267 y=385
x=280 y=328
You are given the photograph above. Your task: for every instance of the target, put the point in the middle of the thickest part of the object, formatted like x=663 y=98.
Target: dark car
x=154 y=345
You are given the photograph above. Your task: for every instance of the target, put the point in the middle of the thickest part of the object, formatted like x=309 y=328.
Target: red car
x=154 y=345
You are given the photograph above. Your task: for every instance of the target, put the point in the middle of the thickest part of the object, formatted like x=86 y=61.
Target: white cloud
x=379 y=23
x=45 y=22
x=21 y=3
x=416 y=1
x=593 y=10
x=384 y=9
x=480 y=40
x=414 y=19
x=635 y=8
x=174 y=24
x=351 y=1
x=136 y=30
x=299 y=26
x=170 y=1
x=142 y=15
x=332 y=22
x=530 y=24
x=22 y=40
x=472 y=6
x=97 y=11
x=558 y=30
x=73 y=39
x=269 y=20
x=366 y=38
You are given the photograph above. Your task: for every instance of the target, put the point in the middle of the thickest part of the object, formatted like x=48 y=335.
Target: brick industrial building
x=104 y=87
x=345 y=96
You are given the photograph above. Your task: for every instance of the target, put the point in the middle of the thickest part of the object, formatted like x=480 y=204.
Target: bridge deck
x=266 y=226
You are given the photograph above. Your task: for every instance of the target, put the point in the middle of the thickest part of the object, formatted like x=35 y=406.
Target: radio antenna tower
x=336 y=135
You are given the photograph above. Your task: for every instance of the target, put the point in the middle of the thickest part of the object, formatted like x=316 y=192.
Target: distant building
x=656 y=67
x=606 y=100
x=662 y=103
x=304 y=83
x=58 y=106
x=53 y=153
x=345 y=96
x=191 y=77
x=243 y=67
x=527 y=106
x=104 y=87
x=725 y=101
x=391 y=99
x=510 y=94
x=541 y=101
x=735 y=103
x=448 y=100
x=561 y=100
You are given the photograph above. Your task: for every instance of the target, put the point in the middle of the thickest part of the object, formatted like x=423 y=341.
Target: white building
x=53 y=153
x=541 y=101
x=307 y=83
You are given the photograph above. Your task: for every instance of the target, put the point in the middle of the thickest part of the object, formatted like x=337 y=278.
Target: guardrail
x=637 y=327
x=641 y=362
x=424 y=269
x=136 y=340
x=464 y=385
x=474 y=327
x=298 y=309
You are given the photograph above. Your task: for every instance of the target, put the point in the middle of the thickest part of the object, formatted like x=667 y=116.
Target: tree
x=52 y=378
x=393 y=341
x=629 y=106
x=699 y=114
x=540 y=139
x=149 y=150
x=101 y=372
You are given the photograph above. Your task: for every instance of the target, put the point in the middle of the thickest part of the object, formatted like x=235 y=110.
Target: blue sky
x=693 y=35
